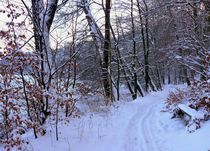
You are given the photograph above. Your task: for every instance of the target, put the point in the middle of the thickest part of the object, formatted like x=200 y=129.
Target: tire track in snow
x=132 y=133
x=139 y=135
x=146 y=129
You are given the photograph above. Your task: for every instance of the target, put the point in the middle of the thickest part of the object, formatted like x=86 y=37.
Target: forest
x=57 y=56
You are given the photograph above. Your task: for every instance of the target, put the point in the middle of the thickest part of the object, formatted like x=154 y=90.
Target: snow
x=193 y=113
x=178 y=57
x=138 y=125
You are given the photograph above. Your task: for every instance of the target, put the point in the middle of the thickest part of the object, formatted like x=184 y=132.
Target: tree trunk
x=107 y=52
x=42 y=18
x=134 y=78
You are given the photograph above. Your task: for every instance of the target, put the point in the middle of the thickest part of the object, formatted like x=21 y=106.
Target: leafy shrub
x=175 y=98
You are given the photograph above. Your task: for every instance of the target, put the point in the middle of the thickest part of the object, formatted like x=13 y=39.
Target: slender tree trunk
x=127 y=71
x=160 y=83
x=145 y=42
x=57 y=119
x=103 y=46
x=106 y=54
x=120 y=66
x=27 y=102
x=186 y=78
x=134 y=78
x=169 y=76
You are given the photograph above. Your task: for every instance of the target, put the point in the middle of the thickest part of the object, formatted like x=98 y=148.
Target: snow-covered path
x=139 y=131
x=142 y=132
x=131 y=126
x=150 y=129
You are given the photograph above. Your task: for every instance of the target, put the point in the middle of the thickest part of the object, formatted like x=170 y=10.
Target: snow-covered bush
x=196 y=97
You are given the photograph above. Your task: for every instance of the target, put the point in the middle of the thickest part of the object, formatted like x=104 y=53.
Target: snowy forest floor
x=128 y=126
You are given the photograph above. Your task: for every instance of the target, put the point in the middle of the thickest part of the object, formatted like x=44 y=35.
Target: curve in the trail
x=140 y=130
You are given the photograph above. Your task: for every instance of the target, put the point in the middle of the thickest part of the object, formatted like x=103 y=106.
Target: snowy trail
x=147 y=123
x=140 y=131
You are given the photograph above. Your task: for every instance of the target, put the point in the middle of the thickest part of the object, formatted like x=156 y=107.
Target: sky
x=59 y=34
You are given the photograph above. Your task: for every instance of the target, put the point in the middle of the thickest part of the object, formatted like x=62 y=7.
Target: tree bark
x=42 y=18
x=107 y=53
x=134 y=78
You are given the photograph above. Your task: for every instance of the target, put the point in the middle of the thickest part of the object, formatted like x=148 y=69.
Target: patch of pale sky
x=60 y=34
